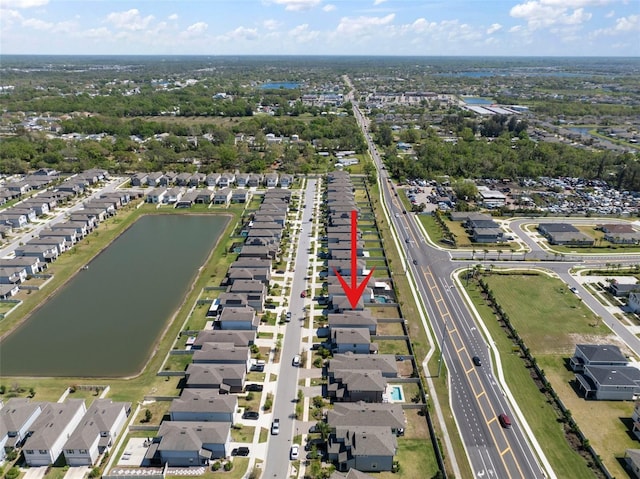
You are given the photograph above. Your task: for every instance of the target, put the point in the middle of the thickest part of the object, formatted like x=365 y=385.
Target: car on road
x=250 y=415
x=504 y=420
x=287 y=318
x=253 y=387
x=240 y=451
x=415 y=261
x=296 y=360
x=275 y=427
x=303 y=294
x=477 y=361
x=574 y=290
x=406 y=240
x=294 y=454
x=397 y=215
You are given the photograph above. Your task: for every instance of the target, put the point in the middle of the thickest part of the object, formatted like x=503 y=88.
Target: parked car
x=477 y=361
x=250 y=415
x=275 y=427
x=294 y=454
x=504 y=420
x=287 y=318
x=240 y=451
x=254 y=387
x=296 y=360
x=303 y=294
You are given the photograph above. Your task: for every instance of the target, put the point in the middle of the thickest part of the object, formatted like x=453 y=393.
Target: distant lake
x=278 y=85
x=472 y=100
x=106 y=321
x=581 y=130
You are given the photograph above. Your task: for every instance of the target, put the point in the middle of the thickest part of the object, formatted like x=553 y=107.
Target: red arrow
x=354 y=292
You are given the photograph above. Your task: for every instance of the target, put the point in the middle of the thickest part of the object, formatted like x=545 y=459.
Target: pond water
x=106 y=321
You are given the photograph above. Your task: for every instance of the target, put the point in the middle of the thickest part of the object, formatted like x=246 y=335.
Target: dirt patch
x=405 y=368
x=416 y=425
x=599 y=339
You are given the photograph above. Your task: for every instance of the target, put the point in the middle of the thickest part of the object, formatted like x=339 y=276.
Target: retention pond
x=107 y=319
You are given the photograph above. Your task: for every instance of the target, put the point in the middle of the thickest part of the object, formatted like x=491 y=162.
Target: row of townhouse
x=200 y=420
x=221 y=180
x=181 y=197
x=45 y=430
x=15 y=188
x=363 y=427
x=33 y=256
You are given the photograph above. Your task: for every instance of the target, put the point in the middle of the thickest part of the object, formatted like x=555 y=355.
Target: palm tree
x=499 y=253
x=486 y=251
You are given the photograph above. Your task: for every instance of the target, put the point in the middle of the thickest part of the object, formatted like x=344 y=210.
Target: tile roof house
x=348 y=414
x=97 y=432
x=204 y=405
x=49 y=432
x=222 y=196
x=17 y=415
x=353 y=319
x=183 y=443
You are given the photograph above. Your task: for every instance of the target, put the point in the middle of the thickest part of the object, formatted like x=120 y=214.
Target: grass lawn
x=242 y=433
x=415 y=460
x=392 y=346
x=390 y=329
x=177 y=362
x=432 y=227
x=385 y=312
x=551 y=320
x=158 y=410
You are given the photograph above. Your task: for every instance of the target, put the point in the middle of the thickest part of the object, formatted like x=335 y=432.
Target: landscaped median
x=550 y=320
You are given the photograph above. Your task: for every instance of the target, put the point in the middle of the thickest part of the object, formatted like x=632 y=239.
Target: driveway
x=35 y=472
x=78 y=472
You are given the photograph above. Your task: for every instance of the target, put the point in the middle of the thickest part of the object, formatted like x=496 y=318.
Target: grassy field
x=551 y=320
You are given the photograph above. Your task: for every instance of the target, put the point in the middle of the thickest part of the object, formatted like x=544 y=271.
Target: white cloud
x=37 y=24
x=298 y=5
x=9 y=17
x=628 y=24
x=378 y=2
x=611 y=14
x=243 y=33
x=96 y=33
x=173 y=16
x=271 y=24
x=515 y=29
x=576 y=3
x=544 y=13
x=329 y=7
x=351 y=25
x=22 y=3
x=494 y=28
x=302 y=34
x=197 y=28
x=130 y=20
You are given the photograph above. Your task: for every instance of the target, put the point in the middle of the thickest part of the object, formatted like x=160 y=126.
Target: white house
x=96 y=433
x=50 y=431
x=18 y=414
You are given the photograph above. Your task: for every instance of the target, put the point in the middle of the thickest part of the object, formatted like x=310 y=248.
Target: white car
x=294 y=454
x=296 y=360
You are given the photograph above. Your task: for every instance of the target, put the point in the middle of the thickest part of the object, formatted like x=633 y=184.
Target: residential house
x=97 y=432
x=154 y=179
x=13 y=275
x=255 y=180
x=17 y=415
x=212 y=179
x=79 y=226
x=258 y=251
x=355 y=340
x=222 y=353
x=204 y=196
x=620 y=289
x=242 y=180
x=32 y=264
x=188 y=199
x=183 y=179
x=286 y=181
x=597 y=355
x=45 y=253
x=353 y=319
x=635 y=417
x=351 y=474
x=204 y=405
x=354 y=386
x=186 y=443
x=344 y=268
x=239 y=195
x=226 y=180
x=41 y=207
x=50 y=431
x=222 y=196
x=15 y=220
x=254 y=290
x=606 y=383
x=632 y=460
x=69 y=234
x=172 y=196
x=58 y=241
x=388 y=415
x=237 y=338
x=225 y=377
x=139 y=179
x=243 y=318
x=365 y=448
x=385 y=363
x=8 y=290
x=271 y=180
x=4 y=439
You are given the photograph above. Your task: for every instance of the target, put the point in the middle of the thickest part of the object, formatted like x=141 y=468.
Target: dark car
x=415 y=261
x=254 y=387
x=504 y=420
x=240 y=451
x=250 y=415
x=477 y=361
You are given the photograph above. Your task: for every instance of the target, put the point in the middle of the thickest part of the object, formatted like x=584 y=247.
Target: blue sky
x=321 y=27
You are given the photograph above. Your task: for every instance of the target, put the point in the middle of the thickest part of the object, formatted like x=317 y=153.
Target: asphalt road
x=277 y=464
x=476 y=397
